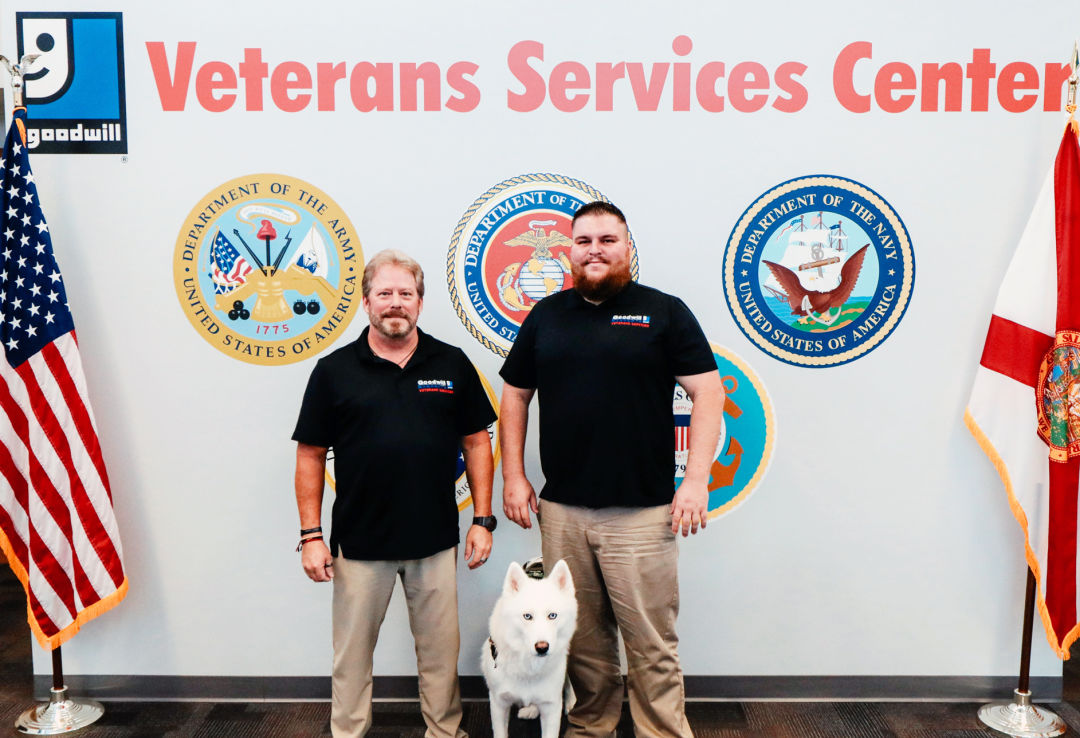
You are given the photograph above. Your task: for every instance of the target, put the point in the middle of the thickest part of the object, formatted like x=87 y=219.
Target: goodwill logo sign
x=268 y=269
x=818 y=271
x=511 y=249
x=74 y=91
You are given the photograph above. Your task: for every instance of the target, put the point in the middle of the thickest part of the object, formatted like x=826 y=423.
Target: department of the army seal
x=818 y=271
x=267 y=269
x=511 y=249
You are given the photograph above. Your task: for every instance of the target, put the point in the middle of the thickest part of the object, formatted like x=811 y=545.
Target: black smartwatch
x=486 y=521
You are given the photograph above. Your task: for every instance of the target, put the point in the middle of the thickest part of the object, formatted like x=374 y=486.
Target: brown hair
x=598 y=207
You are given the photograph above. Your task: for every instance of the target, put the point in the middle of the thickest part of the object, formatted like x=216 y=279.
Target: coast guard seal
x=818 y=271
x=747 y=436
x=267 y=269
x=511 y=249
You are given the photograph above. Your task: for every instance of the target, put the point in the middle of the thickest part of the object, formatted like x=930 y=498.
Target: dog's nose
x=542 y=647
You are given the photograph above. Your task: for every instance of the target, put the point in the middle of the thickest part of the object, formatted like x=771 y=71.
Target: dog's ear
x=515 y=578
x=561 y=576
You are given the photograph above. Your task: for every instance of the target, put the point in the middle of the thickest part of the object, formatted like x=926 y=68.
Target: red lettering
x=411 y=75
x=1016 y=77
x=707 y=96
x=518 y=63
x=289 y=76
x=363 y=75
x=844 y=76
x=892 y=78
x=745 y=77
x=933 y=75
x=680 y=78
x=796 y=92
x=327 y=76
x=172 y=88
x=253 y=71
x=212 y=77
x=606 y=75
x=980 y=72
x=1054 y=78
x=456 y=78
x=647 y=95
x=567 y=76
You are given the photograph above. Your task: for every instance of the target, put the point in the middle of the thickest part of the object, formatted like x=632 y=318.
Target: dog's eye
x=527 y=615
x=552 y=615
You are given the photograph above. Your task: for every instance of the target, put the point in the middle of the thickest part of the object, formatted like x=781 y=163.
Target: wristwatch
x=486 y=521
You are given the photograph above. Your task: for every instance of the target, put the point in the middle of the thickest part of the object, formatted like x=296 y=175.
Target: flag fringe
x=1062 y=649
x=85 y=615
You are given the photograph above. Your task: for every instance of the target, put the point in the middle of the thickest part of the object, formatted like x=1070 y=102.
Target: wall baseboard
x=107 y=687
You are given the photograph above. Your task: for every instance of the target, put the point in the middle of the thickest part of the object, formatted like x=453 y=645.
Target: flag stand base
x=59 y=715
x=1021 y=718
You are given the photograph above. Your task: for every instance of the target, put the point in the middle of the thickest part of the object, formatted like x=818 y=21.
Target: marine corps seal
x=267 y=269
x=511 y=249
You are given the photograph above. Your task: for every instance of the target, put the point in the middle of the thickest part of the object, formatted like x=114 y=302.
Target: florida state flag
x=1025 y=405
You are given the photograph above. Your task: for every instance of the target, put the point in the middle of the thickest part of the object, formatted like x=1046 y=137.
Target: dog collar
x=494 y=652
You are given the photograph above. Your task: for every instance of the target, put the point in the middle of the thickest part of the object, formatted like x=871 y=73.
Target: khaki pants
x=625 y=567
x=362 y=592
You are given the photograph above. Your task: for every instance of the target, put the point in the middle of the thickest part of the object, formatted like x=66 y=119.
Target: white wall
x=879 y=542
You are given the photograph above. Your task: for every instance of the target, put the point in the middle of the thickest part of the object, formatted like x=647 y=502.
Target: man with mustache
x=604 y=358
x=396 y=406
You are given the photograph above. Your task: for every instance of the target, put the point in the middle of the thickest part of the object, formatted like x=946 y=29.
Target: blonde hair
x=392 y=257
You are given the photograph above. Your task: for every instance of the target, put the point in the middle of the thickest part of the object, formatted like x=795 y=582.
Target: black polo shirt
x=396 y=435
x=605 y=376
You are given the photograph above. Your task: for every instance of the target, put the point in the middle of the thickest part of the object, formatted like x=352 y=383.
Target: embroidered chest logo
x=638 y=321
x=444 y=386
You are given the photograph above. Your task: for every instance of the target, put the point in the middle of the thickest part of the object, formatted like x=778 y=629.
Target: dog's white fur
x=531 y=626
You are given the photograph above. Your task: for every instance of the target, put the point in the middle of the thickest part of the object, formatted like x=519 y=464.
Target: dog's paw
x=528 y=712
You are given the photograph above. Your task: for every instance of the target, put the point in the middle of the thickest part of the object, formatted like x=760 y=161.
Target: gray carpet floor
x=403 y=720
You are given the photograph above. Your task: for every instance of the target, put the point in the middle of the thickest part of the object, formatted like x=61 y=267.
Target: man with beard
x=604 y=357
x=396 y=406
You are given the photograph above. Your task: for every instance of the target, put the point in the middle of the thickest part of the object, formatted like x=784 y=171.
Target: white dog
x=524 y=660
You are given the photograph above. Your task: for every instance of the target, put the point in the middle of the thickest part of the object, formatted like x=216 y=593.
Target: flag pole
x=1020 y=718
x=61 y=714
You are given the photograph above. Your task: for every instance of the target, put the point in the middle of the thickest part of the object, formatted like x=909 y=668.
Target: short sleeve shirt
x=605 y=376
x=395 y=434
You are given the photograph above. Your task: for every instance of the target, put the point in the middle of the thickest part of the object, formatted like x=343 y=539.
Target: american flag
x=57 y=526
x=791 y=224
x=228 y=268
x=682 y=432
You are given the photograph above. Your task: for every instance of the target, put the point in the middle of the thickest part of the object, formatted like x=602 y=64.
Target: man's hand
x=478 y=543
x=518 y=499
x=690 y=507
x=317 y=561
